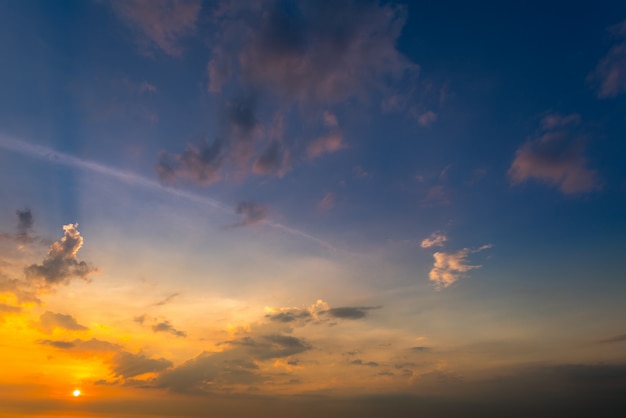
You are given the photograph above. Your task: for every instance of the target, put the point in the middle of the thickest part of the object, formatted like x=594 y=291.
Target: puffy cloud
x=436 y=239
x=350 y=312
x=61 y=264
x=325 y=144
x=427 y=118
x=251 y=213
x=450 y=267
x=159 y=23
x=610 y=74
x=49 y=321
x=166 y=326
x=556 y=157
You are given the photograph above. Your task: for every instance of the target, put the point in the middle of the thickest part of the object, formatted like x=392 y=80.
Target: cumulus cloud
x=450 y=267
x=555 y=157
x=609 y=77
x=61 y=264
x=325 y=144
x=49 y=321
x=159 y=24
x=436 y=239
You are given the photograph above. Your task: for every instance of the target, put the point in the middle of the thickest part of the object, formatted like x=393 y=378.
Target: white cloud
x=450 y=267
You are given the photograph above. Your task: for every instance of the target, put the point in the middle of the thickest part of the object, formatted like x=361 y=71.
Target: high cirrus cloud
x=555 y=157
x=610 y=75
x=450 y=267
x=159 y=24
x=61 y=263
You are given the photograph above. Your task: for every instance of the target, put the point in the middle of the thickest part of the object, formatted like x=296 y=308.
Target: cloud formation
x=325 y=144
x=436 y=239
x=49 y=321
x=61 y=264
x=450 y=267
x=610 y=74
x=166 y=326
x=251 y=213
x=555 y=157
x=24 y=224
x=159 y=24
x=350 y=312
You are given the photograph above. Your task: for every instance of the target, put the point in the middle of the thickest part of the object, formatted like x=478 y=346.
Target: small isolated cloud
x=420 y=349
x=201 y=164
x=450 y=267
x=330 y=119
x=327 y=202
x=427 y=118
x=167 y=300
x=61 y=264
x=359 y=362
x=555 y=157
x=160 y=24
x=49 y=321
x=251 y=213
x=25 y=223
x=436 y=196
x=609 y=77
x=616 y=339
x=436 y=239
x=350 y=312
x=166 y=326
x=326 y=144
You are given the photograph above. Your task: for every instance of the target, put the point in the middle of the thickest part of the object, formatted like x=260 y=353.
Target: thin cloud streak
x=127 y=177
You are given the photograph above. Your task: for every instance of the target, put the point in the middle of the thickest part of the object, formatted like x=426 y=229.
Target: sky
x=278 y=208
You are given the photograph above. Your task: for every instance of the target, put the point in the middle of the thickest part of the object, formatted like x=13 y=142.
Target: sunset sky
x=312 y=208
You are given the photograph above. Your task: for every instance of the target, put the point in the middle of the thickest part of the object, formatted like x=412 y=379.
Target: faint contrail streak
x=55 y=157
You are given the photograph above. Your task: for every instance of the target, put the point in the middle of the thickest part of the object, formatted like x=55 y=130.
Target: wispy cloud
x=610 y=73
x=450 y=267
x=159 y=23
x=436 y=239
x=326 y=144
x=327 y=202
x=555 y=157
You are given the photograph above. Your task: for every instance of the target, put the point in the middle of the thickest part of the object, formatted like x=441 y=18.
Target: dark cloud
x=615 y=339
x=271 y=160
x=127 y=365
x=61 y=264
x=202 y=164
x=4 y=308
x=349 y=312
x=359 y=362
x=166 y=326
x=251 y=213
x=166 y=300
x=25 y=223
x=49 y=321
x=420 y=349
x=62 y=345
x=289 y=315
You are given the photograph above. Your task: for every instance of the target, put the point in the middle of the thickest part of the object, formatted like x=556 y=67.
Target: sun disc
x=76 y=392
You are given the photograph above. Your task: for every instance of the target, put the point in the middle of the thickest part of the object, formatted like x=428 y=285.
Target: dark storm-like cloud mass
x=350 y=312
x=61 y=263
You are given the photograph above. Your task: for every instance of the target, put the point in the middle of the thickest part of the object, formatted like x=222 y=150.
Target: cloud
x=327 y=202
x=25 y=223
x=556 y=120
x=325 y=144
x=127 y=365
x=166 y=326
x=436 y=239
x=200 y=164
x=350 y=312
x=61 y=264
x=360 y=362
x=615 y=339
x=49 y=321
x=251 y=213
x=555 y=157
x=450 y=267
x=330 y=119
x=166 y=300
x=160 y=24
x=312 y=51
x=427 y=118
x=288 y=315
x=273 y=160
x=609 y=77
x=420 y=349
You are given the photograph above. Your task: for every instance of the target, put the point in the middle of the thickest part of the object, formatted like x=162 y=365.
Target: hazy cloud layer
x=159 y=24
x=61 y=264
x=555 y=157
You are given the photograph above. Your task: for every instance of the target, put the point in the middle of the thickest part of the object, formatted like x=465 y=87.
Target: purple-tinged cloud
x=251 y=213
x=427 y=118
x=610 y=73
x=159 y=24
x=326 y=144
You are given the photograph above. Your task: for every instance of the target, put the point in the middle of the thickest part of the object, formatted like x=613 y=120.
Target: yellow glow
x=76 y=392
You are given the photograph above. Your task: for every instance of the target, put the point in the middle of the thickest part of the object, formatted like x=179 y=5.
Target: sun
x=76 y=392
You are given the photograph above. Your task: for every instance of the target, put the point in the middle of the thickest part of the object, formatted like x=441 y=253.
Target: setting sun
x=76 y=392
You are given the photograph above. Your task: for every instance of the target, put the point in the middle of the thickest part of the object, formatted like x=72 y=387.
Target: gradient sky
x=312 y=208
